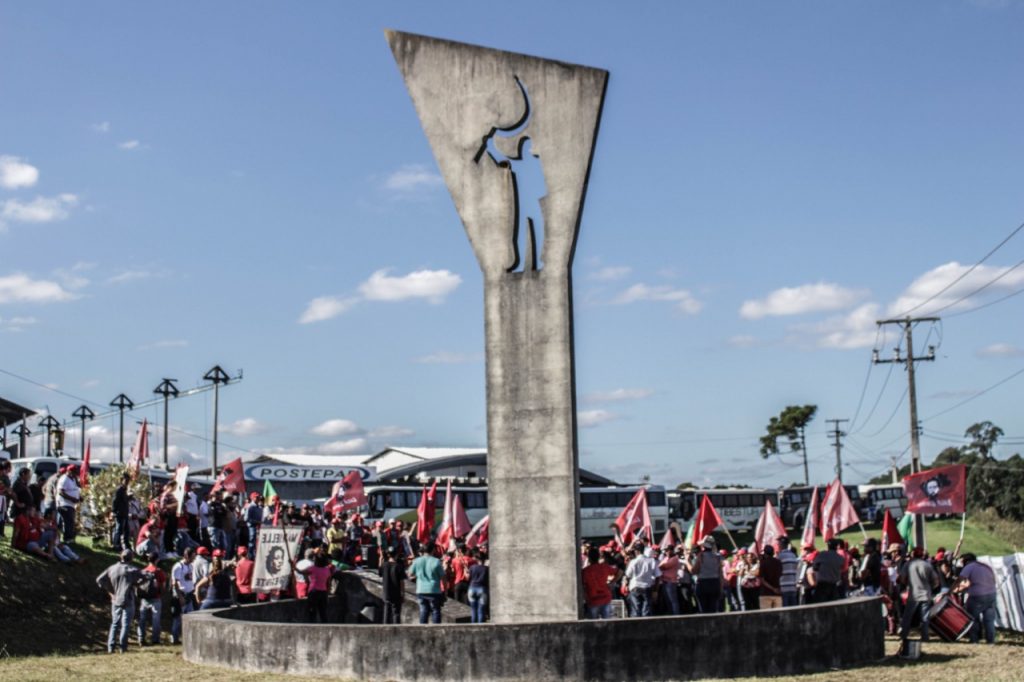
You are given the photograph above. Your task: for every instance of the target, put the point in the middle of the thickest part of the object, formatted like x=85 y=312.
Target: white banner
x=180 y=478
x=1009 y=590
x=272 y=570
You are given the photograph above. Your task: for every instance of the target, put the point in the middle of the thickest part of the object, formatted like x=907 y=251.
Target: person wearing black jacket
x=122 y=538
x=393 y=576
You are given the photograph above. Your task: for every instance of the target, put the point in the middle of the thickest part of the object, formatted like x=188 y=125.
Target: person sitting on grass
x=51 y=540
x=28 y=535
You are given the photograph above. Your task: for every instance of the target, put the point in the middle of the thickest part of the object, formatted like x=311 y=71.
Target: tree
x=790 y=424
x=983 y=437
x=99 y=498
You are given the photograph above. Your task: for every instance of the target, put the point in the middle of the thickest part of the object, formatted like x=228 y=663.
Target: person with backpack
x=150 y=594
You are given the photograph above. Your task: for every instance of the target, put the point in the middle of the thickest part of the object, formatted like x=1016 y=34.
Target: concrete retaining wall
x=776 y=642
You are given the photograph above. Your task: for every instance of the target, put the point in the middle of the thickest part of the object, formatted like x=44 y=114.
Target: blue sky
x=247 y=184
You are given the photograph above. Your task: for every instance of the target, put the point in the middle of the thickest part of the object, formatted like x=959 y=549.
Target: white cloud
x=91 y=383
x=102 y=127
x=342 y=447
x=391 y=432
x=413 y=177
x=447 y=358
x=333 y=428
x=129 y=145
x=936 y=279
x=20 y=288
x=806 y=298
x=16 y=174
x=325 y=307
x=16 y=324
x=610 y=273
x=1000 y=350
x=682 y=298
x=432 y=285
x=72 y=277
x=857 y=329
x=743 y=341
x=164 y=343
x=590 y=418
x=245 y=427
x=39 y=210
x=618 y=395
x=130 y=276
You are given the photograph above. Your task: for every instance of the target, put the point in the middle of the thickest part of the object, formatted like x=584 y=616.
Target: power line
x=864 y=388
x=50 y=388
x=976 y=395
x=969 y=271
x=889 y=420
x=986 y=305
x=981 y=288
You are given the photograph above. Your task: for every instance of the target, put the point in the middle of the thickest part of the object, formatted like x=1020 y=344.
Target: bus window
x=744 y=500
x=607 y=500
x=377 y=503
x=47 y=469
x=439 y=499
x=589 y=499
x=656 y=498
x=717 y=500
x=476 y=501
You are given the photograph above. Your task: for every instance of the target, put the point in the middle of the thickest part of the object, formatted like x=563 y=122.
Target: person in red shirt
x=28 y=534
x=596 y=577
x=244 y=567
x=461 y=564
x=669 y=579
x=151 y=593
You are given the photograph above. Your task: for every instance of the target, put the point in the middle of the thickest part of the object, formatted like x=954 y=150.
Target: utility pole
x=49 y=423
x=122 y=403
x=915 y=437
x=837 y=434
x=22 y=432
x=895 y=470
x=83 y=413
x=168 y=390
x=218 y=376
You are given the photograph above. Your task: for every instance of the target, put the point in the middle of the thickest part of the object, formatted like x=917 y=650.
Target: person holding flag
x=635 y=520
x=425 y=513
x=140 y=451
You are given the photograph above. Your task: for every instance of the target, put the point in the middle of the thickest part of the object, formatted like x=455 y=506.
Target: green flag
x=268 y=489
x=906 y=529
x=688 y=542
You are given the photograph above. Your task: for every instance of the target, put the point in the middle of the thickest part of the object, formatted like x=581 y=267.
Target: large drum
x=949 y=619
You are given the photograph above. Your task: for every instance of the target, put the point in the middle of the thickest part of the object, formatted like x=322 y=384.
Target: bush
x=99 y=499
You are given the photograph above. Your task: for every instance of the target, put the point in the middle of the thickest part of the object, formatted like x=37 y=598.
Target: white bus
x=740 y=508
x=599 y=506
x=878 y=498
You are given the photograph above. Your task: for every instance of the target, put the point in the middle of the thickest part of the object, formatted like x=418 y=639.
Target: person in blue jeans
x=120 y=581
x=978 y=581
x=478 y=588
x=427 y=571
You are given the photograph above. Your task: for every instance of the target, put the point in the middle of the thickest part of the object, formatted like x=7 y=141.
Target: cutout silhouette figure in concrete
x=527 y=177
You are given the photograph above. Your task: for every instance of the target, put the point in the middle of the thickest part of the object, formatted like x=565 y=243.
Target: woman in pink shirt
x=670 y=579
x=318 y=577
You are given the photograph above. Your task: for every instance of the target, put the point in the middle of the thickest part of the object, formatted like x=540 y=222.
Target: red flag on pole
x=810 y=521
x=140 y=451
x=635 y=519
x=460 y=521
x=937 y=491
x=707 y=520
x=425 y=513
x=769 y=528
x=890 y=532
x=444 y=533
x=83 y=475
x=837 y=512
x=669 y=539
x=480 y=533
x=231 y=478
x=347 y=493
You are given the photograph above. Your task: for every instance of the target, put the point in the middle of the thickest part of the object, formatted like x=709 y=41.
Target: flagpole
x=729 y=535
x=862 y=529
x=963 y=525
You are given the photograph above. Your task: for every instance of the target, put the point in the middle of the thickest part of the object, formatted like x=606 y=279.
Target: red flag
x=890 y=533
x=460 y=521
x=669 y=539
x=810 y=521
x=937 y=491
x=444 y=533
x=425 y=513
x=480 y=533
x=707 y=520
x=83 y=475
x=769 y=528
x=348 y=493
x=140 y=451
x=277 y=511
x=231 y=478
x=635 y=519
x=837 y=512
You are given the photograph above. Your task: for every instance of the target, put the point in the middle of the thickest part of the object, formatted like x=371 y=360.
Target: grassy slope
x=47 y=607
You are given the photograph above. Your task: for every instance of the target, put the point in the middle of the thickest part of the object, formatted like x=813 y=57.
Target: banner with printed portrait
x=937 y=491
x=272 y=570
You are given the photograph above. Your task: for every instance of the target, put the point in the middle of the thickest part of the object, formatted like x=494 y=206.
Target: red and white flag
x=480 y=533
x=837 y=512
x=180 y=478
x=140 y=451
x=810 y=521
x=669 y=539
x=890 y=532
x=444 y=531
x=83 y=475
x=460 y=520
x=635 y=519
x=231 y=478
x=425 y=513
x=707 y=520
x=348 y=493
x=769 y=528
x=937 y=491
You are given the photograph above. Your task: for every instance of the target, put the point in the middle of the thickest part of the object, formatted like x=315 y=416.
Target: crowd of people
x=674 y=580
x=42 y=512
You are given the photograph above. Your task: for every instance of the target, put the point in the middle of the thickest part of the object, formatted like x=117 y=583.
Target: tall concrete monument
x=493 y=120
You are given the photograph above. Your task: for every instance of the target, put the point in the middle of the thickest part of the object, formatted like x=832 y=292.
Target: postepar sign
x=273 y=471
x=272 y=570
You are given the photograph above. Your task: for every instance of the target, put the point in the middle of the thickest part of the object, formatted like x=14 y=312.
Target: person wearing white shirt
x=642 y=572
x=183 y=599
x=68 y=497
